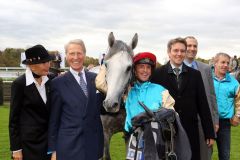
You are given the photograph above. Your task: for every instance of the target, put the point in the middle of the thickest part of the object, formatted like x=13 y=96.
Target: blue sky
x=52 y=23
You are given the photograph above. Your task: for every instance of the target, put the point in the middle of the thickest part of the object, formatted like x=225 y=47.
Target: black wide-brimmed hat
x=37 y=54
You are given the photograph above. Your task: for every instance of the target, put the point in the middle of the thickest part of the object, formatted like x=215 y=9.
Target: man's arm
x=203 y=109
x=100 y=80
x=213 y=99
x=237 y=103
x=235 y=121
x=14 y=117
x=167 y=100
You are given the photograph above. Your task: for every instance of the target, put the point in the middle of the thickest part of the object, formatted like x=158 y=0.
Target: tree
x=10 y=57
x=202 y=60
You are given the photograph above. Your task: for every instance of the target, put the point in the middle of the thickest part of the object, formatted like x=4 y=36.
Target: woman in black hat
x=29 y=107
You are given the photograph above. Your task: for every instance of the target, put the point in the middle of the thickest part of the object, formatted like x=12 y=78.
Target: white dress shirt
x=76 y=75
x=180 y=67
x=40 y=87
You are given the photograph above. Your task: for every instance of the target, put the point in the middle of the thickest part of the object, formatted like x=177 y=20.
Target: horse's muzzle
x=112 y=107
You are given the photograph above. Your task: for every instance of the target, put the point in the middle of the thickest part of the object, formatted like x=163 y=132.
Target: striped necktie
x=83 y=84
x=177 y=70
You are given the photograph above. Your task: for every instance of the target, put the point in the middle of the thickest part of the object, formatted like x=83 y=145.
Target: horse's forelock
x=117 y=47
x=116 y=71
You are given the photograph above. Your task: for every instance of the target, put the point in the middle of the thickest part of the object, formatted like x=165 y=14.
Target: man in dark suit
x=206 y=73
x=75 y=128
x=29 y=108
x=186 y=87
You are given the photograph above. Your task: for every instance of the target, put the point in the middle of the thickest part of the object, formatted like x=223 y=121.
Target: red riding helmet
x=145 y=58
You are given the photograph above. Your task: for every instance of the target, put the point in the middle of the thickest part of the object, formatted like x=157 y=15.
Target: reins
x=168 y=138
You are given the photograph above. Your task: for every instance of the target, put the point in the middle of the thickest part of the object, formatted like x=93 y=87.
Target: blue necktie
x=83 y=84
x=192 y=66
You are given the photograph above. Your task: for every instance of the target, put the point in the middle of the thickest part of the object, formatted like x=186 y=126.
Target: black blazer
x=28 y=120
x=190 y=101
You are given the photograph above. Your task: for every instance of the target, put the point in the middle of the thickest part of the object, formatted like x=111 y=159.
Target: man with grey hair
x=226 y=89
x=75 y=128
x=206 y=73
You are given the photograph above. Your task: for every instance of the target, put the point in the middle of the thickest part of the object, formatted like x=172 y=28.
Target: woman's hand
x=17 y=155
x=54 y=157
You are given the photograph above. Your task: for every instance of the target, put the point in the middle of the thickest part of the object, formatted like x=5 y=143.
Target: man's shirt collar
x=192 y=65
x=76 y=74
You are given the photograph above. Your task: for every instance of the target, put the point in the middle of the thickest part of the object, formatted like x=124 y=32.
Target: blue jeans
x=224 y=139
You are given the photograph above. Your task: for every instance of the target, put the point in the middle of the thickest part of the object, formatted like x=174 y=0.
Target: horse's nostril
x=104 y=103
x=115 y=104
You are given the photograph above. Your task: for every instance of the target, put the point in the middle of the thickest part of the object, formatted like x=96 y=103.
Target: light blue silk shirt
x=148 y=93
x=226 y=91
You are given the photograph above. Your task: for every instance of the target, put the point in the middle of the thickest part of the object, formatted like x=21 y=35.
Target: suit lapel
x=90 y=86
x=171 y=77
x=200 y=68
x=74 y=86
x=32 y=89
x=185 y=78
x=173 y=81
x=47 y=87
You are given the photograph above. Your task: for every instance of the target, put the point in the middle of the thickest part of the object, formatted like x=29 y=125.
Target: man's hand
x=235 y=121
x=216 y=128
x=17 y=155
x=210 y=142
x=54 y=157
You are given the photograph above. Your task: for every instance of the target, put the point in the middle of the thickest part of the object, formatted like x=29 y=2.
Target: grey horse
x=119 y=63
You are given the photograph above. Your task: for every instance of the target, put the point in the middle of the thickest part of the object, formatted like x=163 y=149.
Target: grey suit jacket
x=209 y=89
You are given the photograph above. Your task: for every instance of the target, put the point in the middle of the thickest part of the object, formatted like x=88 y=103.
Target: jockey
x=154 y=96
x=150 y=97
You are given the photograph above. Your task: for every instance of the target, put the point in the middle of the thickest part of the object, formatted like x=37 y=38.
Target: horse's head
x=119 y=70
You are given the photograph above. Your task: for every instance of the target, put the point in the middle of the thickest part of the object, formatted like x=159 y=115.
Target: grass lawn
x=4 y=138
x=117 y=148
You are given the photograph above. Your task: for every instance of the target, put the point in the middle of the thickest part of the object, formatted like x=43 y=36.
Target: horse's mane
x=118 y=46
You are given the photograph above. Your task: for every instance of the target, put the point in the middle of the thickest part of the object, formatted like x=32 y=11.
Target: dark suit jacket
x=28 y=120
x=190 y=100
x=75 y=128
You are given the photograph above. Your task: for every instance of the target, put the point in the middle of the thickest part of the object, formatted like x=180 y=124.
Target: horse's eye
x=128 y=68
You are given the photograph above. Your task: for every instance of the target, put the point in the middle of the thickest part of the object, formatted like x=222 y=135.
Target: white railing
x=14 y=72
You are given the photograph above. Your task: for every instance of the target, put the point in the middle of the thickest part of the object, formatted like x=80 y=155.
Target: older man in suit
x=186 y=87
x=29 y=107
x=206 y=73
x=75 y=129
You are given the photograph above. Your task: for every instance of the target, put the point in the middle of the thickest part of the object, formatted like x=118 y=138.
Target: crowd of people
x=58 y=117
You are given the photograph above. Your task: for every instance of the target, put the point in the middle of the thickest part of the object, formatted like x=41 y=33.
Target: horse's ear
x=134 y=41
x=111 y=39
